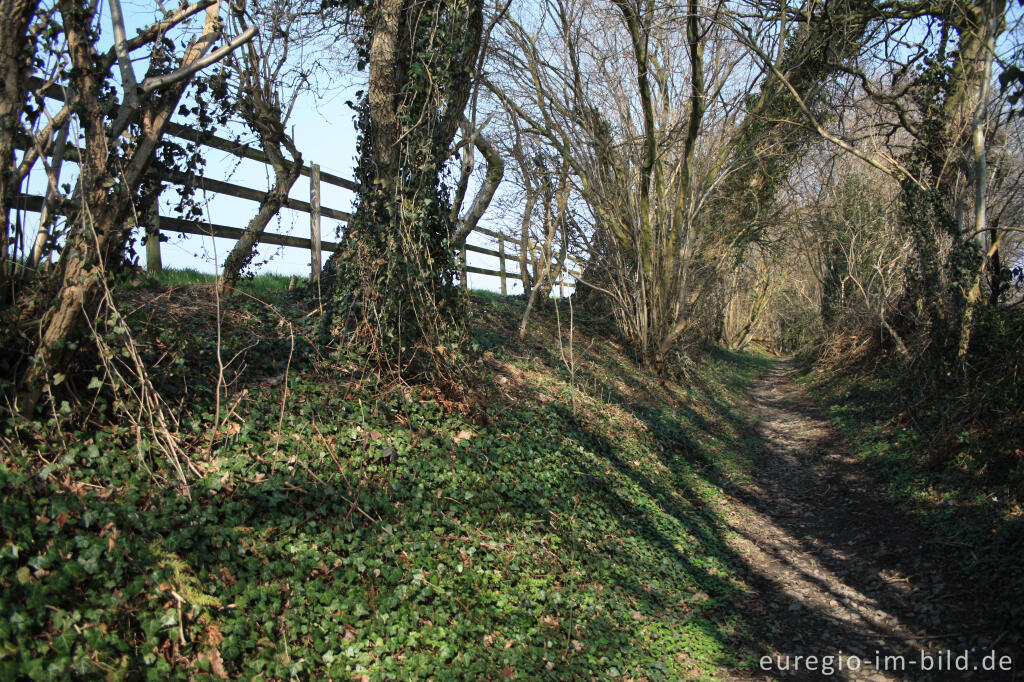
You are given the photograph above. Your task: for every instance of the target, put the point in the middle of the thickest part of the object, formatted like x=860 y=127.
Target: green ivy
x=395 y=297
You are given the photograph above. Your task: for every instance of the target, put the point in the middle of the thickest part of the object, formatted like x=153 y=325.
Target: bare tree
x=111 y=168
x=554 y=197
x=644 y=166
x=270 y=73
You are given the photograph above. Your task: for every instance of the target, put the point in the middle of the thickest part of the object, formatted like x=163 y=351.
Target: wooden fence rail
x=313 y=207
x=33 y=203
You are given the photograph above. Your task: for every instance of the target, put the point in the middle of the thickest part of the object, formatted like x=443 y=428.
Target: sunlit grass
x=257 y=285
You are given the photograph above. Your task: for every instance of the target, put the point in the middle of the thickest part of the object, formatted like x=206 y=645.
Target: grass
x=169 y=278
x=257 y=285
x=343 y=528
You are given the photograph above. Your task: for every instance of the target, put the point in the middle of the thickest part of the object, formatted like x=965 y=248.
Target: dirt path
x=841 y=571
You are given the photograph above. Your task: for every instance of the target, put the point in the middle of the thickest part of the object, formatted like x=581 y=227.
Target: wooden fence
x=314 y=243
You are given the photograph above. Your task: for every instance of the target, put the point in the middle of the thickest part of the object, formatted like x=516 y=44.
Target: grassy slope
x=972 y=503
x=571 y=532
x=259 y=285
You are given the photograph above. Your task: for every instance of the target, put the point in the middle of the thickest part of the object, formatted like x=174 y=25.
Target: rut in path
x=839 y=569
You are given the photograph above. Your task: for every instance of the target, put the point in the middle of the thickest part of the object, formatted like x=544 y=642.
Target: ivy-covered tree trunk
x=16 y=47
x=951 y=96
x=395 y=295
x=925 y=217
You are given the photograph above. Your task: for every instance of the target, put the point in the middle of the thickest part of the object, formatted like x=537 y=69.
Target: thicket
x=804 y=211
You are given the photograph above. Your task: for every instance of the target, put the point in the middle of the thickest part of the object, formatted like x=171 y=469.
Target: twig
x=284 y=392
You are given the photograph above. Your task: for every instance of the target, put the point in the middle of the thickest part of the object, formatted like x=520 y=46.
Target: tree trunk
x=524 y=242
x=285 y=175
x=997 y=284
x=154 y=262
x=542 y=283
x=16 y=50
x=97 y=234
x=991 y=19
x=394 y=294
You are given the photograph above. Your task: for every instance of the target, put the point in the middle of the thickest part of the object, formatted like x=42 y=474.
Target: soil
x=842 y=571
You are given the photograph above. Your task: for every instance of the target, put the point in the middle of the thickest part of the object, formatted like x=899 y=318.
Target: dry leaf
x=214 y=636
x=463 y=435
x=111 y=533
x=216 y=662
x=507 y=672
x=226 y=575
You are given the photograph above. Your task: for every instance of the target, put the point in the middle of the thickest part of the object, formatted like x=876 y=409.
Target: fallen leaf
x=216 y=662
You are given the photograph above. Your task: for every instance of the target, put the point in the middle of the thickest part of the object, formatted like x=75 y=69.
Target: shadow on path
x=842 y=570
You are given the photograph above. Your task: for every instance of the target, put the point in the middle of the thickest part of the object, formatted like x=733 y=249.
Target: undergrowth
x=338 y=527
x=951 y=449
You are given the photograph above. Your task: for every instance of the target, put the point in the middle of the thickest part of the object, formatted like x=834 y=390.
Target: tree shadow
x=870 y=555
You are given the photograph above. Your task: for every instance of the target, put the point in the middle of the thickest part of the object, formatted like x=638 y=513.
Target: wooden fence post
x=314 y=220
x=462 y=267
x=154 y=263
x=501 y=265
